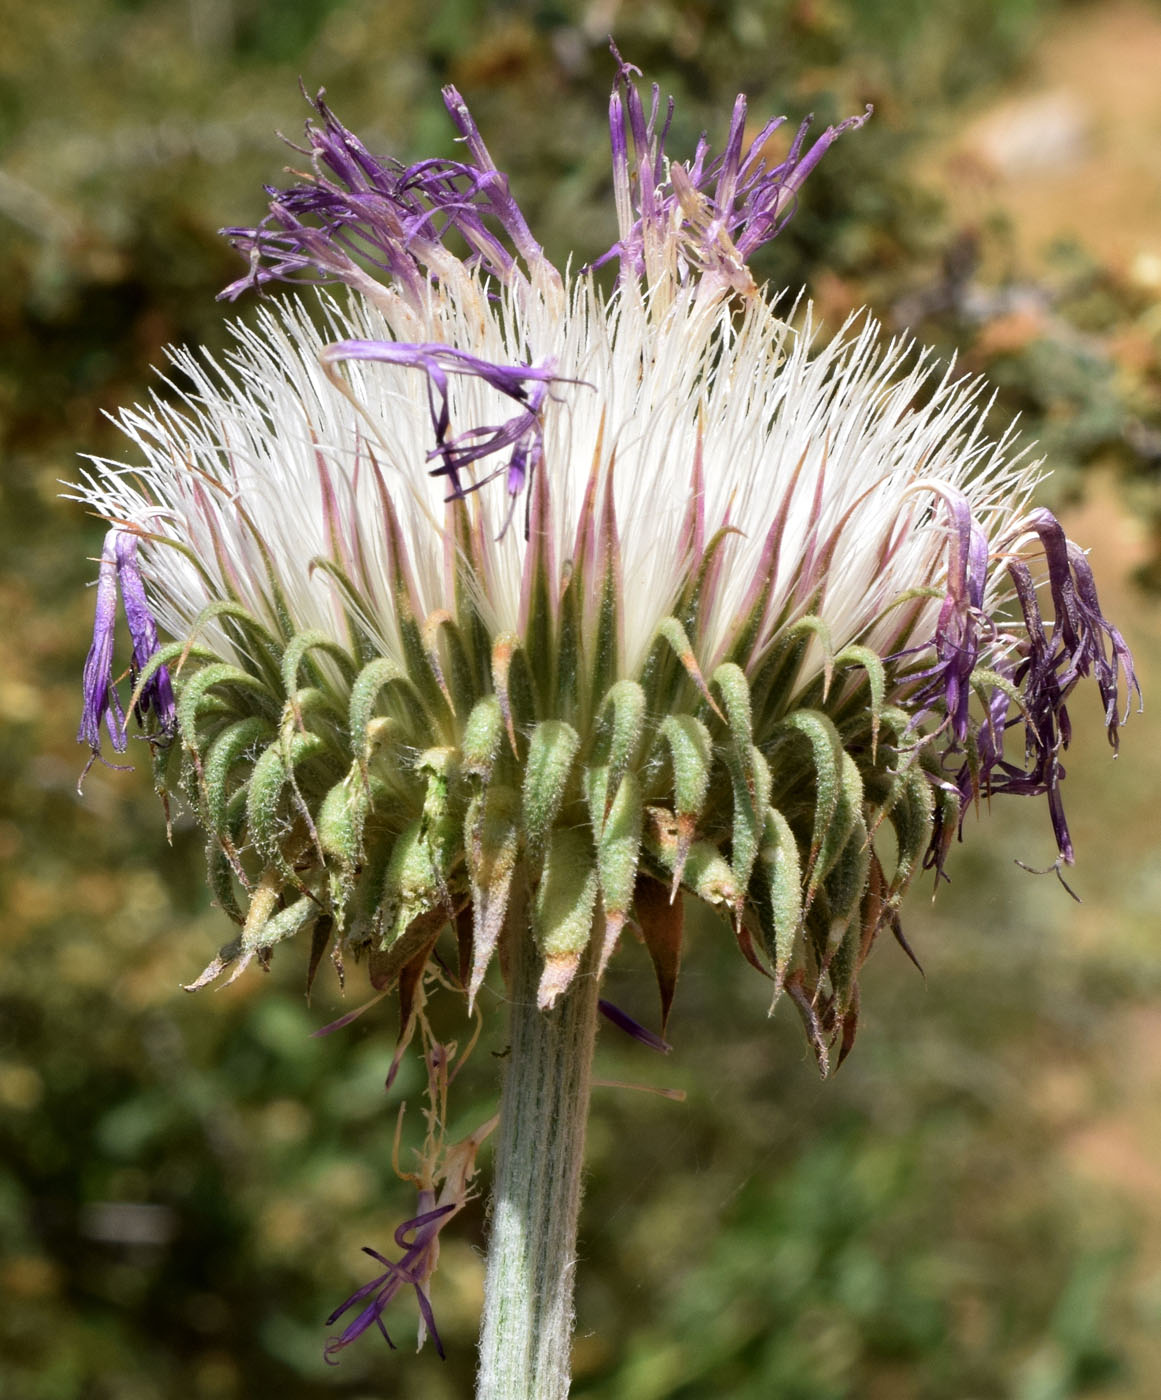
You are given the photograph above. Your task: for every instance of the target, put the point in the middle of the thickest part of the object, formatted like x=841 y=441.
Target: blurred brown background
x=972 y=1209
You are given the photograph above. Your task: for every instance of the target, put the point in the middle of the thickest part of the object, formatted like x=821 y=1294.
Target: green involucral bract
x=385 y=797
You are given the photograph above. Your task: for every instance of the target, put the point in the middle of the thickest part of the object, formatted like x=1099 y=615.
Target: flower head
x=761 y=598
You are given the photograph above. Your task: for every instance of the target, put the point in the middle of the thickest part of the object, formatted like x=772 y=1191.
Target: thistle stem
x=526 y=1337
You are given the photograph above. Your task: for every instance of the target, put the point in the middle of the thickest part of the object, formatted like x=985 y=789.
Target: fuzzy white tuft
x=231 y=455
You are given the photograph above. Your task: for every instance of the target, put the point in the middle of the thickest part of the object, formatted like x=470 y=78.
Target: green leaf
x=843 y=966
x=420 y=671
x=256 y=645
x=361 y=646
x=751 y=800
x=512 y=682
x=221 y=880
x=606 y=643
x=819 y=732
x=622 y=720
x=709 y=875
x=691 y=754
x=846 y=881
x=310 y=700
x=279 y=927
x=910 y=809
x=845 y=816
x=537 y=593
x=620 y=724
x=775 y=679
x=876 y=680
x=361 y=708
x=454 y=670
x=671 y=632
x=467 y=532
x=441 y=825
x=568 y=646
x=411 y=883
x=264 y=815
x=341 y=818
x=702 y=585
x=340 y=823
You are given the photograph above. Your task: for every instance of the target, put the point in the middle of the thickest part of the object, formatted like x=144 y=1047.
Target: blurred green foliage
x=185 y=1182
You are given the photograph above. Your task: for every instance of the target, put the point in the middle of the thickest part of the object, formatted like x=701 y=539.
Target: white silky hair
x=228 y=456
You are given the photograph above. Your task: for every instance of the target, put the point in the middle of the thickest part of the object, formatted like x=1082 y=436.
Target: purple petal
x=957 y=640
x=770 y=195
x=101 y=701
x=490 y=186
x=424 y=1226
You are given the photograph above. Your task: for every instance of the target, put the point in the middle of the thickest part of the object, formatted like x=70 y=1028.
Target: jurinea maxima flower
x=500 y=597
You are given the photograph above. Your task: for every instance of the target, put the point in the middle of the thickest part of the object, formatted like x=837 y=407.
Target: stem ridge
x=526 y=1337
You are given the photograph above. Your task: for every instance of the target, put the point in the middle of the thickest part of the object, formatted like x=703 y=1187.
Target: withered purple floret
x=1041 y=666
x=101 y=703
x=957 y=640
x=355 y=208
x=728 y=206
x=100 y=700
x=1082 y=642
x=524 y=385
x=412 y=1270
x=157 y=695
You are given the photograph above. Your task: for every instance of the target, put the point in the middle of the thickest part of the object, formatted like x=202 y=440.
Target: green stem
x=526 y=1337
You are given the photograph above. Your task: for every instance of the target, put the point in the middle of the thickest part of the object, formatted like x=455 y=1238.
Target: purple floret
x=355 y=209
x=725 y=207
x=1037 y=667
x=412 y=1270
x=101 y=701
x=525 y=385
x=157 y=696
